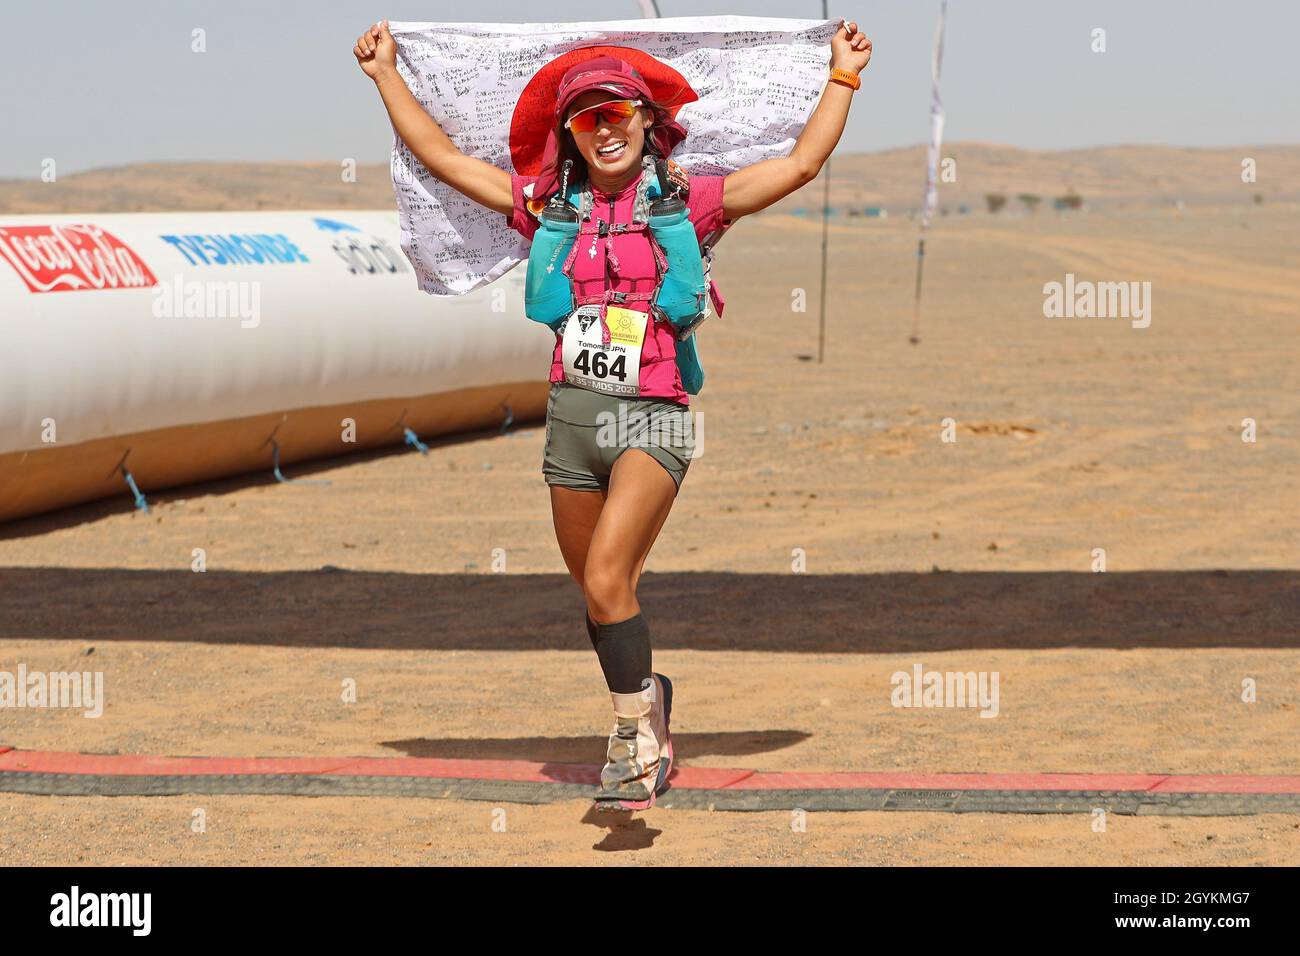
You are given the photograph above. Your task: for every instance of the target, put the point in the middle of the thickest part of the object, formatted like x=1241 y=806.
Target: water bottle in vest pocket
x=688 y=366
x=681 y=296
x=548 y=292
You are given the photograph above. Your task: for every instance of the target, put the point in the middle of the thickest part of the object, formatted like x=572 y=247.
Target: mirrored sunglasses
x=613 y=113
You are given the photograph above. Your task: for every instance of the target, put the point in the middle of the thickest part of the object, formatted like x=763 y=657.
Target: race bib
x=614 y=370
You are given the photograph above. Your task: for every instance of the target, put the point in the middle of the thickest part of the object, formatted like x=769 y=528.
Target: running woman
x=609 y=503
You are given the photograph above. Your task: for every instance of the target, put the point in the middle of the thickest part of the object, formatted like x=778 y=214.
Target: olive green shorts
x=587 y=431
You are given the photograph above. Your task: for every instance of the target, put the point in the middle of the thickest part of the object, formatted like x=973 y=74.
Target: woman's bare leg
x=575 y=514
x=641 y=493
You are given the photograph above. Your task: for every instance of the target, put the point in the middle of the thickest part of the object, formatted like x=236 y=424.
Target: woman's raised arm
x=376 y=52
x=758 y=186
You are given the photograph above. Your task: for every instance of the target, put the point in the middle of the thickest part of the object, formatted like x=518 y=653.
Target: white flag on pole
x=754 y=82
x=936 y=124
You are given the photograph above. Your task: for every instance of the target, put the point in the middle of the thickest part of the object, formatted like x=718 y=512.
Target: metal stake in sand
x=140 y=501
x=410 y=437
x=275 y=462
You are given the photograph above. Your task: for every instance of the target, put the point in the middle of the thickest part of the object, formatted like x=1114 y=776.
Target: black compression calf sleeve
x=624 y=652
x=591 y=631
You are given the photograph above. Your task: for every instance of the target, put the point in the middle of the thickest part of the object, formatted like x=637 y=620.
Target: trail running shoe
x=639 y=756
x=659 y=713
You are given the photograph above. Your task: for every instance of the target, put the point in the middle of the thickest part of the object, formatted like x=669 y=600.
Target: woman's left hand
x=850 y=50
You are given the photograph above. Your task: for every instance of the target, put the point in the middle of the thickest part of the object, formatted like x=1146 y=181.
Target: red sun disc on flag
x=534 y=114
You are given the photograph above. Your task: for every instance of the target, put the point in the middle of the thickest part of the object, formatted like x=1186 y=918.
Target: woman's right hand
x=376 y=50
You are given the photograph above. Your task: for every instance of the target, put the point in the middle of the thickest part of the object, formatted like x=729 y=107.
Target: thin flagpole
x=931 y=169
x=826 y=202
x=915 y=337
x=826 y=210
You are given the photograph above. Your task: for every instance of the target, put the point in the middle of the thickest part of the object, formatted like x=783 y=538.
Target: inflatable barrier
x=153 y=350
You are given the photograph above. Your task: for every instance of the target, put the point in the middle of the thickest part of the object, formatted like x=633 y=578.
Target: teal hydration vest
x=681 y=287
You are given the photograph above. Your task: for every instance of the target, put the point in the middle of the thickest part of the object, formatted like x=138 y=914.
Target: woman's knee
x=608 y=591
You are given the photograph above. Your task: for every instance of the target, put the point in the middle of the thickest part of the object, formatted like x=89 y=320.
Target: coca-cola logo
x=69 y=258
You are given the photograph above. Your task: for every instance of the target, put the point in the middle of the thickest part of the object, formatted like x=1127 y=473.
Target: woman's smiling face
x=614 y=147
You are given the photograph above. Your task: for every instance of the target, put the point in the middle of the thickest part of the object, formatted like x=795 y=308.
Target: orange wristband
x=847 y=77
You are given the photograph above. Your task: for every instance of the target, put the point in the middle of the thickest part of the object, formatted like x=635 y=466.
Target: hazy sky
x=93 y=83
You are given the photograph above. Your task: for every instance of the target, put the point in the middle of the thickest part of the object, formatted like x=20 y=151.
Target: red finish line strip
x=954 y=781
x=686 y=778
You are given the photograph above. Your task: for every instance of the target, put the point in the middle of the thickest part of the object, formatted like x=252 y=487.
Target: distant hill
x=1102 y=176
x=164 y=187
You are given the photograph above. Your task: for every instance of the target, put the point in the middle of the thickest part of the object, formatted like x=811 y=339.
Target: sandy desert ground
x=1071 y=435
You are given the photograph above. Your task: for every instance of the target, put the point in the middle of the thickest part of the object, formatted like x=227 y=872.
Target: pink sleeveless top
x=636 y=272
